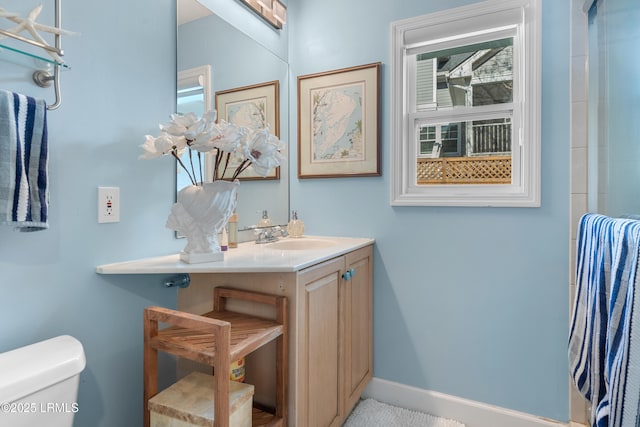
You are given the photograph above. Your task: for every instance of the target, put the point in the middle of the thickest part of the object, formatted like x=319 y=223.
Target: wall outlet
x=108 y=204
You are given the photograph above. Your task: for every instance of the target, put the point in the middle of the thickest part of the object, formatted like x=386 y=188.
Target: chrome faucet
x=269 y=234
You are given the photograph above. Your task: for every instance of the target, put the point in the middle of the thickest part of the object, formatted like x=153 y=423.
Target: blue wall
x=471 y=302
x=119 y=89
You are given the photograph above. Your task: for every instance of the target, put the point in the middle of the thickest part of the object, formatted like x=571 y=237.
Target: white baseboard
x=468 y=412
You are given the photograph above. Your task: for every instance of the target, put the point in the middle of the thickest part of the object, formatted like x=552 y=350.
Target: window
x=465 y=106
x=439 y=140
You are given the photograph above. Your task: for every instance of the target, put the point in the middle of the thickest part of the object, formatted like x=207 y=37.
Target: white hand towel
x=24 y=191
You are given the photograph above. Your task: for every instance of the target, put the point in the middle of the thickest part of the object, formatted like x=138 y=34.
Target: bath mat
x=371 y=413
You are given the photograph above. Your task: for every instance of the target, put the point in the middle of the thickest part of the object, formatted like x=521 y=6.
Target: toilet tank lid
x=25 y=370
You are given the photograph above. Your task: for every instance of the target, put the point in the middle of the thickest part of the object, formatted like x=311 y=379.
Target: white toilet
x=39 y=383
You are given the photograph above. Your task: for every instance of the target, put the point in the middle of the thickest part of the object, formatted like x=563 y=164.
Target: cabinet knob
x=349 y=274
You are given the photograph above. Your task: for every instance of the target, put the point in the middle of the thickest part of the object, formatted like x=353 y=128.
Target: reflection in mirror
x=194 y=87
x=235 y=61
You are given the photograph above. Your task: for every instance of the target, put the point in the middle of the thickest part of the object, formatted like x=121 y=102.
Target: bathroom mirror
x=234 y=60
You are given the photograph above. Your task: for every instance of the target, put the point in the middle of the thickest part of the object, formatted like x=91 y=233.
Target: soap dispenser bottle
x=295 y=228
x=264 y=221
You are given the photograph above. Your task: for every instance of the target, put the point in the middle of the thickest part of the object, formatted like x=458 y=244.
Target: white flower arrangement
x=258 y=149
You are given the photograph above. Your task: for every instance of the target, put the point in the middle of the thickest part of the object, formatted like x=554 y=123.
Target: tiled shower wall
x=578 y=197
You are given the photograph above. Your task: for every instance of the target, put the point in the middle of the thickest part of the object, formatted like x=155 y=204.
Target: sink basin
x=301 y=244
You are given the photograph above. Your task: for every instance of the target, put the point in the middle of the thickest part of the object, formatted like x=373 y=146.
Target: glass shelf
x=28 y=59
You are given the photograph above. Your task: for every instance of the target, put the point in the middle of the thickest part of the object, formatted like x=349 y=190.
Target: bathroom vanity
x=328 y=281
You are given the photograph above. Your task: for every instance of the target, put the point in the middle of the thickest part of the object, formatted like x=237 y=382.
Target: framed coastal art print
x=253 y=107
x=339 y=123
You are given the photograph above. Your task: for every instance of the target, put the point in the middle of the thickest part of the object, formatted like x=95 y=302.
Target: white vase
x=200 y=214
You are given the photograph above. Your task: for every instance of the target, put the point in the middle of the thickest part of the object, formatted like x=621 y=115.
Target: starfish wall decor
x=30 y=25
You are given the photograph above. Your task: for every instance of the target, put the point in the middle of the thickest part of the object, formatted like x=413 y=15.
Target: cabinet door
x=358 y=318
x=319 y=342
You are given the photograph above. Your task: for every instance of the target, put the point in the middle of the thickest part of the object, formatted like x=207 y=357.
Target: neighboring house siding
x=444 y=98
x=425 y=81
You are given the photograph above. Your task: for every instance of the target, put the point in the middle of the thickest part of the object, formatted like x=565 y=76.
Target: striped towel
x=604 y=338
x=24 y=193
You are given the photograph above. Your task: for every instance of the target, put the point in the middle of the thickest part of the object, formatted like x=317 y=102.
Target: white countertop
x=246 y=258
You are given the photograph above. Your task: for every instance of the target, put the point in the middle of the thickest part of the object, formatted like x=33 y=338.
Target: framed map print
x=339 y=123
x=253 y=107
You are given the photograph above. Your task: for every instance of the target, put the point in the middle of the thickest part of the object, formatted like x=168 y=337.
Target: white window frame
x=476 y=23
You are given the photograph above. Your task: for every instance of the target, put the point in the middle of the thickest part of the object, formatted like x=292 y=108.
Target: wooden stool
x=216 y=339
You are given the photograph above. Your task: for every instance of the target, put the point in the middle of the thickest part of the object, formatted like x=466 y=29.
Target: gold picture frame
x=339 y=123
x=254 y=107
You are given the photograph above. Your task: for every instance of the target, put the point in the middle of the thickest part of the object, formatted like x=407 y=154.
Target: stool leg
x=222 y=362
x=282 y=361
x=150 y=366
